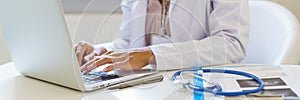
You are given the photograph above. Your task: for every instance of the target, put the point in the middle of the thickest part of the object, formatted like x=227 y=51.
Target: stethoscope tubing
x=219 y=88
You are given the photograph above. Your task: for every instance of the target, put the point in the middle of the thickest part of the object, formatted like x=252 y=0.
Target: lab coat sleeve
x=228 y=23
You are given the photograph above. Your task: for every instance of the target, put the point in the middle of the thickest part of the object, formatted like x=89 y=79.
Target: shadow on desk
x=27 y=88
x=21 y=87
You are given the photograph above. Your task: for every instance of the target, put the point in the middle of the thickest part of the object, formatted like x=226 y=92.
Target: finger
x=107 y=53
x=78 y=44
x=97 y=61
x=118 y=54
x=113 y=66
x=89 y=57
x=104 y=61
x=75 y=48
x=93 y=55
x=89 y=49
x=92 y=62
x=80 y=55
x=121 y=64
x=101 y=50
x=104 y=55
x=84 y=67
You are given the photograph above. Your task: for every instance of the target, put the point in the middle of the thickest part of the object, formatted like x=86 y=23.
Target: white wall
x=94 y=28
x=91 y=6
x=292 y=5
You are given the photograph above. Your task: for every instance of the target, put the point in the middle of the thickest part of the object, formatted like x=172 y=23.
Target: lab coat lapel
x=186 y=18
x=138 y=22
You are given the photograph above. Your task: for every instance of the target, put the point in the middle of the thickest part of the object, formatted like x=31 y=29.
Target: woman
x=199 y=32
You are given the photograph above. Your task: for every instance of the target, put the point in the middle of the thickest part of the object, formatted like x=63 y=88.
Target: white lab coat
x=203 y=32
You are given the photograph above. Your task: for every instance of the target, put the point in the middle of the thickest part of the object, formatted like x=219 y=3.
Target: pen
x=143 y=80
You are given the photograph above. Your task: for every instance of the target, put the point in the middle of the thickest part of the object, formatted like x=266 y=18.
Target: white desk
x=14 y=86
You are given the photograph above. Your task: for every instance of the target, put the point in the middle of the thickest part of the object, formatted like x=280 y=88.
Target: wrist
x=151 y=57
x=147 y=52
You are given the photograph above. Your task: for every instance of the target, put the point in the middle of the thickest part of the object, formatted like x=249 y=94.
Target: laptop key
x=94 y=77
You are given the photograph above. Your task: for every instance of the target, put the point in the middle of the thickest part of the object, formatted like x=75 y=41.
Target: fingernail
x=85 y=72
x=105 y=69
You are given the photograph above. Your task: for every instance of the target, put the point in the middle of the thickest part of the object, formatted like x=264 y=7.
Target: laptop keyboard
x=94 y=77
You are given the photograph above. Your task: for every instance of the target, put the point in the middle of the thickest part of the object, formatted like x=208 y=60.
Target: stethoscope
x=213 y=87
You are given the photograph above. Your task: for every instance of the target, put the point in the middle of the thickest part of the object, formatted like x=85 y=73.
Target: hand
x=86 y=51
x=132 y=60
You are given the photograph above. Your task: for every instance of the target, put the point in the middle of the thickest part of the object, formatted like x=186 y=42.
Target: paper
x=274 y=86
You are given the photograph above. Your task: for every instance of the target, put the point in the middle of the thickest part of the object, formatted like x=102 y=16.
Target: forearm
x=209 y=51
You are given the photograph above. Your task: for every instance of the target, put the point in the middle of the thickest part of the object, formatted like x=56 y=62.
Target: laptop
x=41 y=48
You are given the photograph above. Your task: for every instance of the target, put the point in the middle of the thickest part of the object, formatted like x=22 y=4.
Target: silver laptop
x=40 y=45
